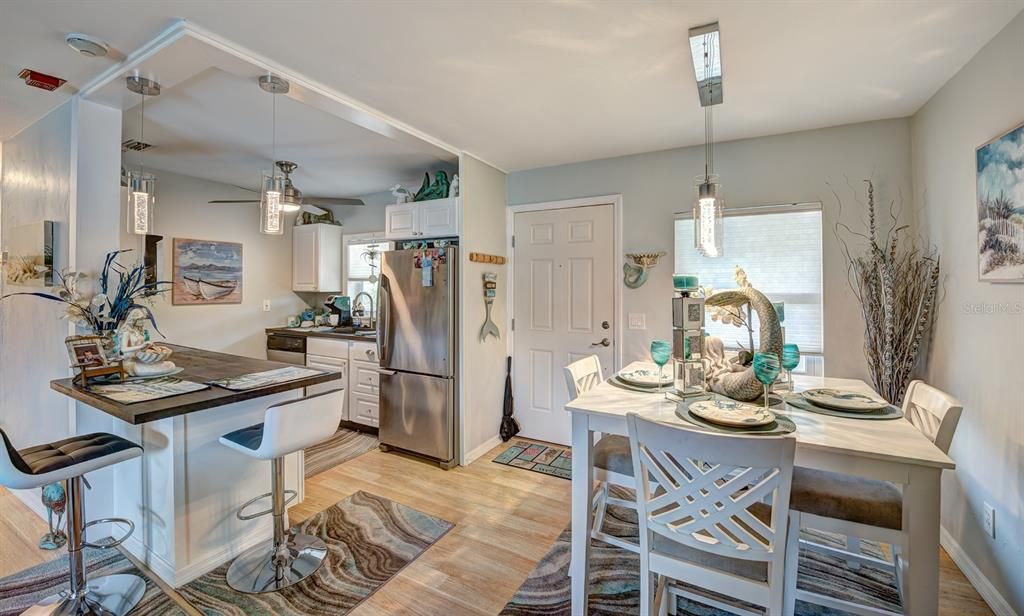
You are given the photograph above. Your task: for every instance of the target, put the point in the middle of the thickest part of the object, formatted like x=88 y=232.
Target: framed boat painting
x=1000 y=169
x=206 y=273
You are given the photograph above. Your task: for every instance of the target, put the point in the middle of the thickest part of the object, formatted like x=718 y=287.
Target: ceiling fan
x=292 y=199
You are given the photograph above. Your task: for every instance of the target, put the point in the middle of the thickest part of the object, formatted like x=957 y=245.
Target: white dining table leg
x=921 y=505
x=582 y=514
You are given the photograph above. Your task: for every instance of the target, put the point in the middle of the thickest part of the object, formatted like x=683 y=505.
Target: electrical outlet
x=990 y=520
x=637 y=320
x=266 y=305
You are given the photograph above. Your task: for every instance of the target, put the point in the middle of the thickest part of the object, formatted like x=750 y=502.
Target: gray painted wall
x=975 y=356
x=796 y=167
x=36 y=185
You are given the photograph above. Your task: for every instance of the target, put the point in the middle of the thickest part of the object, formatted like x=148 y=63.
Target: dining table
x=892 y=450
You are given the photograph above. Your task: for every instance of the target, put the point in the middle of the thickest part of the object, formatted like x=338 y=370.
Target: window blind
x=780 y=249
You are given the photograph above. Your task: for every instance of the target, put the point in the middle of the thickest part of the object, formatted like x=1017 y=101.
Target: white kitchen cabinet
x=424 y=219
x=357 y=362
x=365 y=409
x=316 y=258
x=330 y=363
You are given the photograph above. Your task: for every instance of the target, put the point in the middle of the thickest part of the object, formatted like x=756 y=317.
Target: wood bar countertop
x=199 y=366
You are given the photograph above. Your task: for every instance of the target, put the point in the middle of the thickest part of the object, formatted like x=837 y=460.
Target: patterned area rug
x=615 y=578
x=342 y=447
x=22 y=590
x=369 y=540
x=556 y=461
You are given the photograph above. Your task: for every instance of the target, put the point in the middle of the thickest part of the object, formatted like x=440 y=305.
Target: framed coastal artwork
x=206 y=272
x=1000 y=169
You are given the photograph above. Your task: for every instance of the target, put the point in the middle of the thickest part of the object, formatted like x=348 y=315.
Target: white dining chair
x=613 y=464
x=713 y=513
x=863 y=508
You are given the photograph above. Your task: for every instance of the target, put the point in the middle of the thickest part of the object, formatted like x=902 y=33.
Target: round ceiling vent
x=86 y=45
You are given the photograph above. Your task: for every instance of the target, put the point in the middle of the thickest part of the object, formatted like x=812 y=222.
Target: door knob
x=604 y=342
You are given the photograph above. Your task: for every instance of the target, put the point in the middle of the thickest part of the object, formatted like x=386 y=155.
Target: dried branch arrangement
x=896 y=283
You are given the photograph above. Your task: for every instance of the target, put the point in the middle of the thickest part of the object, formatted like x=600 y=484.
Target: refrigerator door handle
x=387 y=372
x=384 y=321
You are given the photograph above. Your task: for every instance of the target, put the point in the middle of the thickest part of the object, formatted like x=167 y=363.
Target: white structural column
x=582 y=513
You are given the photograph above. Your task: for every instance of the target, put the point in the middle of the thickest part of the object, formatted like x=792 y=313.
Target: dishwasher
x=286 y=348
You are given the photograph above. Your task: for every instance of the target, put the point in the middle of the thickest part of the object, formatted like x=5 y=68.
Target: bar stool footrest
x=116 y=542
x=290 y=495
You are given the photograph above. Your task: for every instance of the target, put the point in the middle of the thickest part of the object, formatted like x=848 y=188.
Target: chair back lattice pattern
x=728 y=495
x=932 y=411
x=583 y=375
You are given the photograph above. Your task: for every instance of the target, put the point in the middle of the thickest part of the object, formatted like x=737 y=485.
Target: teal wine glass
x=661 y=352
x=790 y=360
x=766 y=369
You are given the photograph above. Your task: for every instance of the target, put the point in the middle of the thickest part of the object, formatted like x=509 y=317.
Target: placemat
x=262 y=379
x=617 y=382
x=889 y=412
x=781 y=425
x=143 y=391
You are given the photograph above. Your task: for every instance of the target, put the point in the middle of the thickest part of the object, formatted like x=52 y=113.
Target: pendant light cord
x=142 y=134
x=273 y=138
x=709 y=118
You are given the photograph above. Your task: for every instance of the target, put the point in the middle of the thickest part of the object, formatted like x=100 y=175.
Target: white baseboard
x=988 y=592
x=31 y=498
x=483 y=448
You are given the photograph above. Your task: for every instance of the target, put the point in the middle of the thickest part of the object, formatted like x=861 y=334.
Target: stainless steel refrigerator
x=416 y=344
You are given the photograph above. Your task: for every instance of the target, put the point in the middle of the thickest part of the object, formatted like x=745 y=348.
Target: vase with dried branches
x=896 y=281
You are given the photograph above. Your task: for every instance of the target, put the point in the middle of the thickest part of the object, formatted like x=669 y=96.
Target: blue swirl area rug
x=615 y=578
x=369 y=540
x=22 y=590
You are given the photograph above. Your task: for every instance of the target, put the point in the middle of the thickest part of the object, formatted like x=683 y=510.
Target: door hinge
x=513 y=325
x=513 y=241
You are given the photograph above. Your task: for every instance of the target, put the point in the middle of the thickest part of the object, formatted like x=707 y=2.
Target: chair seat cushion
x=843 y=497
x=72 y=451
x=249 y=438
x=751 y=569
x=612 y=453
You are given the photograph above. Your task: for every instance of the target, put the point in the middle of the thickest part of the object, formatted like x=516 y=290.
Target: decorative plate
x=643 y=377
x=732 y=414
x=844 y=400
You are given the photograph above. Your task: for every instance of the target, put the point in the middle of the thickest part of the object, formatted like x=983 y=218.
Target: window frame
x=777 y=208
x=368 y=237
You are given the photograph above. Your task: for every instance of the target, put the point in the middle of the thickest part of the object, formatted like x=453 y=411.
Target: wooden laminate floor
x=505 y=520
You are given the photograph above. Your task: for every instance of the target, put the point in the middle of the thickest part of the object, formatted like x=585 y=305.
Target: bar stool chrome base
x=112 y=595
x=263 y=569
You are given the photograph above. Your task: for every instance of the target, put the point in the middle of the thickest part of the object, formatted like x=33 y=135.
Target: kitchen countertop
x=199 y=366
x=309 y=333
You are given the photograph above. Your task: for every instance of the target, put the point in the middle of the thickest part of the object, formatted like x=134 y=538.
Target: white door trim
x=616 y=202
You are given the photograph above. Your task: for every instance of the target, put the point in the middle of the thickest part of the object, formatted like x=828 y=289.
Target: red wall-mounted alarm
x=40 y=80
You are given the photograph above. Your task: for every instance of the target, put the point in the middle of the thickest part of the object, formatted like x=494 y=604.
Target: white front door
x=564 y=309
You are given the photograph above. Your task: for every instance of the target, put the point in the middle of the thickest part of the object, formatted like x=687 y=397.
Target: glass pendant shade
x=707 y=216
x=271 y=210
x=141 y=203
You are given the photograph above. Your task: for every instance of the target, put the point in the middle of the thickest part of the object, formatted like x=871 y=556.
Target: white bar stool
x=68 y=460
x=287 y=427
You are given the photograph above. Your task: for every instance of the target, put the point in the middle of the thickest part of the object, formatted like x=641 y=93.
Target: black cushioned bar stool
x=68 y=460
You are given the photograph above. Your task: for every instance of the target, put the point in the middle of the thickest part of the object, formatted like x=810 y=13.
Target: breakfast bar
x=183 y=492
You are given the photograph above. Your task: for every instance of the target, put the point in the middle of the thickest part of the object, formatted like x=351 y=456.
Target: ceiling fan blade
x=334 y=201
x=312 y=209
x=230 y=201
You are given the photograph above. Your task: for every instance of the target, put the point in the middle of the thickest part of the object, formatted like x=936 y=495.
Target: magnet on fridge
x=428 y=271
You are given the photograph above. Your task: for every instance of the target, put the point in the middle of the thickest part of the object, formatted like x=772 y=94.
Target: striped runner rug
x=342 y=447
x=615 y=577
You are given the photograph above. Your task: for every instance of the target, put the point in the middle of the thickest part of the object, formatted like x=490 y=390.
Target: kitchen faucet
x=373 y=320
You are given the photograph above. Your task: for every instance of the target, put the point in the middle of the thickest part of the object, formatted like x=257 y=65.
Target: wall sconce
x=635 y=273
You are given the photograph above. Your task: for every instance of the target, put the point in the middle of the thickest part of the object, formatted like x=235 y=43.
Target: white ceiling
x=528 y=84
x=217 y=125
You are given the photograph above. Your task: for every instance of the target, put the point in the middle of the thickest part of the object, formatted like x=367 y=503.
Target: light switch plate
x=266 y=305
x=637 y=320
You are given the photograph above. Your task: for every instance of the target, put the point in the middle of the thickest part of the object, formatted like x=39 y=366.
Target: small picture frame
x=687 y=312
x=86 y=351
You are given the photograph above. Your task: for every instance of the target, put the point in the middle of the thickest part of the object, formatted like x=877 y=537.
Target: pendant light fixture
x=707 y=210
x=272 y=185
x=141 y=185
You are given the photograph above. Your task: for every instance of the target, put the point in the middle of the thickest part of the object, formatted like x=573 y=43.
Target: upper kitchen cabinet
x=316 y=258
x=423 y=219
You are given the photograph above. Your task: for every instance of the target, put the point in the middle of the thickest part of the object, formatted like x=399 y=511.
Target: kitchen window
x=780 y=249
x=361 y=268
